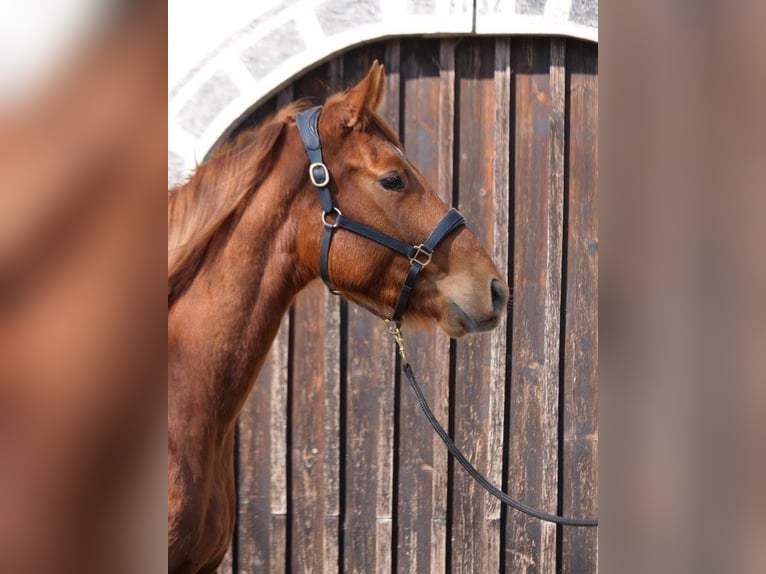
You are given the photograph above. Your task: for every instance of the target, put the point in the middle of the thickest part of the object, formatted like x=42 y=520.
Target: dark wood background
x=337 y=470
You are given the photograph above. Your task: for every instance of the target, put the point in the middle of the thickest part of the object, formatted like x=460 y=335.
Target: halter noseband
x=419 y=255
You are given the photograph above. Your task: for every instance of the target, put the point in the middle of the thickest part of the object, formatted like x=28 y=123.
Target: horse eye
x=392 y=181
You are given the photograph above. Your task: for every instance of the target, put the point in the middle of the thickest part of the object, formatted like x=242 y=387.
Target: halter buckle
x=421 y=252
x=324 y=177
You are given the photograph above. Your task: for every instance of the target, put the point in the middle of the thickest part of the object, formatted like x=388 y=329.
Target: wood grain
x=475 y=528
x=262 y=481
x=580 y=452
x=500 y=254
x=314 y=437
x=538 y=192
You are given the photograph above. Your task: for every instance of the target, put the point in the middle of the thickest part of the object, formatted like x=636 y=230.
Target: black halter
x=419 y=255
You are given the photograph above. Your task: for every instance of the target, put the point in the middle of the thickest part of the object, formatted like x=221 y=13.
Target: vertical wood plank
x=316 y=344
x=315 y=408
x=580 y=454
x=553 y=301
x=476 y=522
x=441 y=390
x=533 y=441
x=368 y=525
x=421 y=487
x=500 y=255
x=278 y=439
x=262 y=483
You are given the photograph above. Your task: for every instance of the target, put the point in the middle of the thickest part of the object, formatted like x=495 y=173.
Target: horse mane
x=216 y=193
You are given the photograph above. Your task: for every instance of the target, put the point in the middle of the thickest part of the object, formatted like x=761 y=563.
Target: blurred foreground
x=82 y=325
x=683 y=288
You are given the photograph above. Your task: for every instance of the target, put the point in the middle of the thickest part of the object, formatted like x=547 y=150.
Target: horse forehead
x=373 y=150
x=398 y=152
x=376 y=139
x=379 y=140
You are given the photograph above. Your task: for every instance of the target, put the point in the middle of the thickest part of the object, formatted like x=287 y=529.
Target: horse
x=245 y=236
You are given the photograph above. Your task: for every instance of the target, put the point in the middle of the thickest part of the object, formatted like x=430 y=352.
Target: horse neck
x=221 y=328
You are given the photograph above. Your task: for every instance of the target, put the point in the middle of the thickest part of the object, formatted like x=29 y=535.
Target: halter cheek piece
x=333 y=218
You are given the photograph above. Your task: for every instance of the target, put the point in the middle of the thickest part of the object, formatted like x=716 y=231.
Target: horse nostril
x=499 y=295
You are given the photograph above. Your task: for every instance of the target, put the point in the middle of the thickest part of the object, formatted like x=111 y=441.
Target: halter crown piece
x=333 y=218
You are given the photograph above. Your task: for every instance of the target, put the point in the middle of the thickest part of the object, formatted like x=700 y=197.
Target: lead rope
x=396 y=333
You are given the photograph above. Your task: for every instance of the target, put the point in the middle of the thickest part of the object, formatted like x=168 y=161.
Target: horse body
x=236 y=266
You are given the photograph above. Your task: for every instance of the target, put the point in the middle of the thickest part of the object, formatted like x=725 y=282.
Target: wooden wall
x=337 y=470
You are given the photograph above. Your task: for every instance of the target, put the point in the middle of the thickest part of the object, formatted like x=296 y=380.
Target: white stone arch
x=261 y=46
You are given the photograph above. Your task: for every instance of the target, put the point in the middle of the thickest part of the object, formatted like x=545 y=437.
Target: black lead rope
x=471 y=469
x=420 y=257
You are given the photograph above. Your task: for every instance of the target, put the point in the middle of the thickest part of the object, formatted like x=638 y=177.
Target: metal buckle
x=334 y=224
x=325 y=180
x=420 y=251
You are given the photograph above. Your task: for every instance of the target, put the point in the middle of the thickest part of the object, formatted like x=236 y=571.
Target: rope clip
x=396 y=332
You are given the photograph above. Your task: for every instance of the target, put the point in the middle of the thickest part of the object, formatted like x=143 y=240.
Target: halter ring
x=334 y=224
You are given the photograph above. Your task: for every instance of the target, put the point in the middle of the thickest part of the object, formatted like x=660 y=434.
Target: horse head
x=371 y=181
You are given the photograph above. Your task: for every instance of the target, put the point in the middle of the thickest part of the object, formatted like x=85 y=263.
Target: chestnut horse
x=244 y=238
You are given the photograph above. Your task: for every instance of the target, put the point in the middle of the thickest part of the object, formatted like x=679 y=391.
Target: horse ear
x=366 y=96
